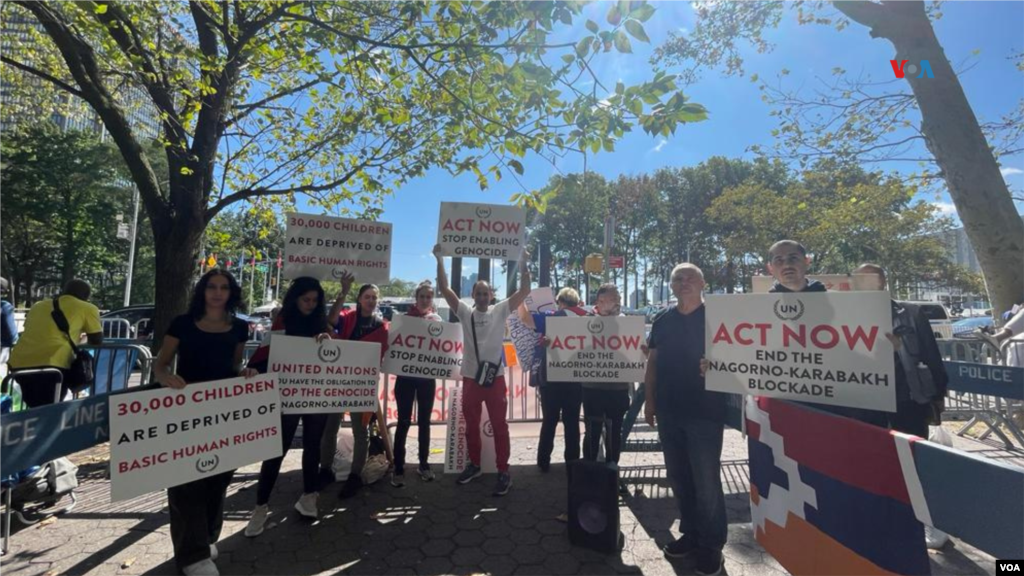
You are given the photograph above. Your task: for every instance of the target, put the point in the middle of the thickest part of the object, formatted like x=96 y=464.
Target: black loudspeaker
x=594 y=506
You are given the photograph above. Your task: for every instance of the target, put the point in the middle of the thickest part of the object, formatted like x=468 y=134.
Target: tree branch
x=258 y=192
x=35 y=72
x=863 y=12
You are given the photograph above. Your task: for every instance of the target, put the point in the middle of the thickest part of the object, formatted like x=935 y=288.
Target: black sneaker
x=472 y=471
x=504 y=484
x=544 y=466
x=681 y=549
x=351 y=487
x=709 y=562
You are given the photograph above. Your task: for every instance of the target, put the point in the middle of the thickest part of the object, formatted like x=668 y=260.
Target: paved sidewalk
x=424 y=528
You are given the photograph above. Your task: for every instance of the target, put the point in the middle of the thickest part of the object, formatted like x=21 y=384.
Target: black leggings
x=312 y=431
x=406 y=390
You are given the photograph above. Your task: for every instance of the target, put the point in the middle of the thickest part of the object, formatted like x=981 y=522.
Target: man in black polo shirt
x=690 y=423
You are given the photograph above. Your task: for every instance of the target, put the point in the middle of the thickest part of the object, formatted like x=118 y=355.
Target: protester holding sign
x=788 y=264
x=483 y=377
x=559 y=400
x=209 y=342
x=363 y=323
x=422 y=391
x=605 y=403
x=921 y=377
x=690 y=422
x=302 y=314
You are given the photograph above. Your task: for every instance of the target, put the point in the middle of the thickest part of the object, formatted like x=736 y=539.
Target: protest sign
x=832 y=282
x=541 y=300
x=524 y=343
x=330 y=376
x=828 y=348
x=481 y=230
x=32 y=437
x=424 y=348
x=595 y=349
x=456 y=454
x=326 y=247
x=165 y=437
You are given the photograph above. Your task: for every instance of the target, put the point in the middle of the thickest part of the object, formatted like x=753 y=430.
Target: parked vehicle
x=938 y=316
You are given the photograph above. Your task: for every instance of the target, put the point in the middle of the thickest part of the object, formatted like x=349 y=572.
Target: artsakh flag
x=828 y=494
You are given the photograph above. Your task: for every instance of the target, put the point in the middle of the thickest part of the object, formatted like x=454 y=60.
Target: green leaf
x=515 y=165
x=186 y=171
x=583 y=47
x=592 y=26
x=568 y=58
x=101 y=9
x=622 y=43
x=636 y=31
x=643 y=13
x=614 y=16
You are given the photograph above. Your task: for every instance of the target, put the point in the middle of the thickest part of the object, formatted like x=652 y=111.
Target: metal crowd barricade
x=116 y=328
x=115 y=365
x=993 y=412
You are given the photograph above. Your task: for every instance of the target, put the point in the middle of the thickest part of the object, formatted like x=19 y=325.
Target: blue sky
x=738 y=118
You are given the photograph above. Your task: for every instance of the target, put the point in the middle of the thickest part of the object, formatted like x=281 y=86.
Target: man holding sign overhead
x=483 y=379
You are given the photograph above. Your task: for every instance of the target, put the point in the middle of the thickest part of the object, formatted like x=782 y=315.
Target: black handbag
x=486 y=372
x=82 y=372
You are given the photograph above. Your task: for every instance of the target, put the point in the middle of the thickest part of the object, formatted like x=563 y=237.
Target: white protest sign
x=832 y=282
x=164 y=437
x=828 y=348
x=332 y=376
x=596 y=349
x=541 y=300
x=424 y=348
x=481 y=230
x=456 y=454
x=326 y=247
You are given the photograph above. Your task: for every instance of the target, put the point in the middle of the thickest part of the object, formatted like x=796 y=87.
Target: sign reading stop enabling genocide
x=326 y=247
x=330 y=376
x=823 y=347
x=595 y=349
x=165 y=437
x=481 y=230
x=424 y=348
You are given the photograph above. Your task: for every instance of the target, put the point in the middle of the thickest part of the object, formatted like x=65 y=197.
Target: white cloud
x=659 y=146
x=684 y=30
x=1010 y=171
x=945 y=208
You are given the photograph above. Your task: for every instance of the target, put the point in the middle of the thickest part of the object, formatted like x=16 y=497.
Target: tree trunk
x=954 y=137
x=176 y=247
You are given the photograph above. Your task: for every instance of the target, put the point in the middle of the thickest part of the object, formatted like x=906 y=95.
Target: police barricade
x=116 y=328
x=982 y=391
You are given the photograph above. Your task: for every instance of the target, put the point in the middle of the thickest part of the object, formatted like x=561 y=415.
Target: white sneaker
x=259 y=519
x=202 y=568
x=307 y=505
x=214 y=553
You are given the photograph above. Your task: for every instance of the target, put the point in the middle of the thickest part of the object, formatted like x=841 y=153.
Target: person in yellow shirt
x=43 y=345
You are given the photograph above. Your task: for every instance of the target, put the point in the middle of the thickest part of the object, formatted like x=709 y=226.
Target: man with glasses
x=690 y=423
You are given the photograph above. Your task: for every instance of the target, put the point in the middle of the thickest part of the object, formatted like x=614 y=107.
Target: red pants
x=496 y=398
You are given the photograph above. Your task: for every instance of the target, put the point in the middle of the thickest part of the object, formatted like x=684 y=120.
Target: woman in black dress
x=209 y=342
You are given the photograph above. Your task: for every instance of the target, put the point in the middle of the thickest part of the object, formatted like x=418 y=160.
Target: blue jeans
x=693 y=457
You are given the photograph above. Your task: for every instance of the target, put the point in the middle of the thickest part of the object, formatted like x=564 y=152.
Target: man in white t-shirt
x=483 y=329
x=1014 y=330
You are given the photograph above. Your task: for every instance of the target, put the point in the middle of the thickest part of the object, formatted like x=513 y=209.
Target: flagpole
x=252 y=280
x=277 y=292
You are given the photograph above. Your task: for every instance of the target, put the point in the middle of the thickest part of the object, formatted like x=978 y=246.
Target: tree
x=845 y=216
x=342 y=101
x=62 y=191
x=573 y=224
x=854 y=121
